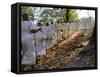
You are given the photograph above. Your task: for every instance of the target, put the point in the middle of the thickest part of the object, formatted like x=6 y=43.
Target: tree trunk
x=67 y=15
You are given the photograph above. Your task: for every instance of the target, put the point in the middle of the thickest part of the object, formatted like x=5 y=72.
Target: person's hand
x=39 y=29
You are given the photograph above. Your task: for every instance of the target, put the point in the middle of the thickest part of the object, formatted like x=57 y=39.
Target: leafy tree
x=68 y=14
x=26 y=9
x=50 y=14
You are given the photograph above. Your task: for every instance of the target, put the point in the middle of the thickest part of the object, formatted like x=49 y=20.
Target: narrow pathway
x=58 y=56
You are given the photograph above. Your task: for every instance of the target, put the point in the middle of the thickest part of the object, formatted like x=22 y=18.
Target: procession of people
x=38 y=38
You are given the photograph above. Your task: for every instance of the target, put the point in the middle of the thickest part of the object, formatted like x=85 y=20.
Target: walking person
x=59 y=32
x=49 y=35
x=40 y=41
x=54 y=36
x=28 y=49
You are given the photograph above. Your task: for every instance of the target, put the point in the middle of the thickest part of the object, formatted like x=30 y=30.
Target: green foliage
x=69 y=15
x=26 y=9
x=73 y=15
x=51 y=14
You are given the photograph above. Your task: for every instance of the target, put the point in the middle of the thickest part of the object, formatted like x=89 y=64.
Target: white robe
x=40 y=44
x=29 y=54
x=49 y=35
x=54 y=35
x=65 y=34
x=68 y=25
x=59 y=33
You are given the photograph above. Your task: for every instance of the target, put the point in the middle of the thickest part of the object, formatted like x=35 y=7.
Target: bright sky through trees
x=86 y=13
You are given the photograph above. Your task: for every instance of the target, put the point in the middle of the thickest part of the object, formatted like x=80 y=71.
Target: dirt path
x=61 y=54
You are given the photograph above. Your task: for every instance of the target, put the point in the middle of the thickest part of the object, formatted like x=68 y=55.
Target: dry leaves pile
x=61 y=54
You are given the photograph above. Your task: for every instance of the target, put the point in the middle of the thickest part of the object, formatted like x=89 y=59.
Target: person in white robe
x=53 y=42
x=49 y=35
x=40 y=42
x=59 y=32
x=54 y=30
x=68 y=31
x=64 y=28
x=28 y=49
